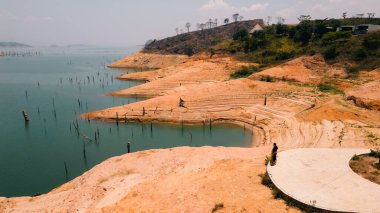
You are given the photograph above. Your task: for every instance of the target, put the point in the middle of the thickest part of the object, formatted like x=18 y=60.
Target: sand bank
x=148 y=61
x=305 y=69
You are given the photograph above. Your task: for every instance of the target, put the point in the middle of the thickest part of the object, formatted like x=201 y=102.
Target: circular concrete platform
x=323 y=178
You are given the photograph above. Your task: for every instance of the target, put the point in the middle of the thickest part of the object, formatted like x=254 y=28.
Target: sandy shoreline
x=183 y=179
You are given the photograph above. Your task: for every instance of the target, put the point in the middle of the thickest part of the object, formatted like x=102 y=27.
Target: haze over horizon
x=125 y=23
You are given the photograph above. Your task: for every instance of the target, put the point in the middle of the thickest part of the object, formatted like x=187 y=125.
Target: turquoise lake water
x=47 y=87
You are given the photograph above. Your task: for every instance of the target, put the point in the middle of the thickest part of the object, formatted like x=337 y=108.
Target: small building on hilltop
x=359 y=29
x=366 y=28
x=349 y=28
x=256 y=28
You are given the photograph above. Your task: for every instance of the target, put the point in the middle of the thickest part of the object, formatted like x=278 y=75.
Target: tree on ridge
x=344 y=15
x=235 y=17
x=188 y=25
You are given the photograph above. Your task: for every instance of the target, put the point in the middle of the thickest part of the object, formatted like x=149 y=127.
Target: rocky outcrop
x=365 y=103
x=366 y=91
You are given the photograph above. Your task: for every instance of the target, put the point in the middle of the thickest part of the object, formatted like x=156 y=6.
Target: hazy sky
x=130 y=22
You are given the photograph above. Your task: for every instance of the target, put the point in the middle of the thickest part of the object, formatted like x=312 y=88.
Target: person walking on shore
x=274 y=153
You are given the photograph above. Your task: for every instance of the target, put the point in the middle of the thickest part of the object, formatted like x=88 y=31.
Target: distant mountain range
x=13 y=44
x=69 y=46
x=76 y=45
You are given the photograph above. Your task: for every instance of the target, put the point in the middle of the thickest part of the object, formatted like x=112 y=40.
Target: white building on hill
x=256 y=28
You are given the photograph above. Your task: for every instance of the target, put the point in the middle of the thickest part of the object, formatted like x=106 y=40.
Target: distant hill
x=13 y=44
x=77 y=46
x=198 y=41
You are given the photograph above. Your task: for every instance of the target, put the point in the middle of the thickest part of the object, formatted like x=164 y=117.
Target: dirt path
x=325 y=180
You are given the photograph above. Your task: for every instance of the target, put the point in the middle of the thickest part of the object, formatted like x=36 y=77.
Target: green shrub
x=329 y=88
x=311 y=52
x=284 y=55
x=212 y=52
x=371 y=41
x=266 y=181
x=266 y=78
x=216 y=41
x=371 y=136
x=320 y=28
x=330 y=53
x=267 y=53
x=303 y=32
x=261 y=38
x=267 y=160
x=261 y=66
x=240 y=35
x=375 y=153
x=292 y=32
x=355 y=157
x=258 y=40
x=234 y=47
x=245 y=72
x=352 y=71
x=359 y=54
x=282 y=29
x=334 y=23
x=331 y=37
x=189 y=51
x=217 y=207
x=232 y=50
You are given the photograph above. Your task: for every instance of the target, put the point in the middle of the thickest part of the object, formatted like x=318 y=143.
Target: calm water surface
x=48 y=86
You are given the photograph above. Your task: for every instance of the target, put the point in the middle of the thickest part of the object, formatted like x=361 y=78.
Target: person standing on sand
x=274 y=153
x=181 y=103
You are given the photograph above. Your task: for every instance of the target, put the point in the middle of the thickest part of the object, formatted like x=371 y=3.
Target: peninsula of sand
x=290 y=110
